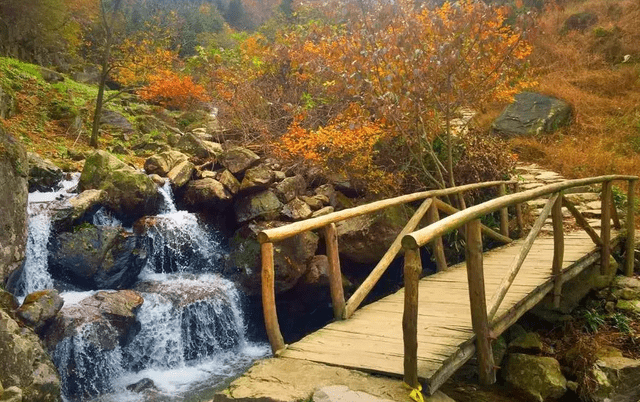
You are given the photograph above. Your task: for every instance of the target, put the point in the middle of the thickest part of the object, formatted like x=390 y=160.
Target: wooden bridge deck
x=372 y=339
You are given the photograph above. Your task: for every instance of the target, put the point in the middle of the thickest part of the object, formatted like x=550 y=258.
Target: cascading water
x=191 y=323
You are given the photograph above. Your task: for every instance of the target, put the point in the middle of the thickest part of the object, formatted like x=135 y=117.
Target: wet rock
x=256 y=179
x=106 y=319
x=71 y=211
x=206 y=193
x=13 y=204
x=264 y=205
x=230 y=182
x=25 y=364
x=538 y=377
x=157 y=179
x=291 y=257
x=290 y=188
x=43 y=174
x=617 y=380
x=162 y=163
x=192 y=145
x=97 y=257
x=532 y=114
x=238 y=159
x=181 y=174
x=115 y=120
x=365 y=239
x=128 y=192
x=39 y=308
x=296 y=210
x=142 y=385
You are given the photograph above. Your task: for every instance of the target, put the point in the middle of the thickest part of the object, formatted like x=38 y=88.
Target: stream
x=192 y=329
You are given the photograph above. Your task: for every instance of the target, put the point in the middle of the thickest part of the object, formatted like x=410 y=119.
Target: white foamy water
x=65 y=191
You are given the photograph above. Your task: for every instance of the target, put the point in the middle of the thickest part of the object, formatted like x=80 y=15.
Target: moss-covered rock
x=538 y=377
x=192 y=145
x=39 y=308
x=532 y=114
x=163 y=162
x=13 y=204
x=70 y=212
x=208 y=193
x=25 y=364
x=181 y=174
x=128 y=192
x=238 y=159
x=264 y=205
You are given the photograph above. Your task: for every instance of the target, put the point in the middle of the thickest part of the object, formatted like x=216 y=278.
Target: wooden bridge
x=429 y=329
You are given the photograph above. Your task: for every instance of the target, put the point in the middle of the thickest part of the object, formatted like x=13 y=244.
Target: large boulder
x=290 y=188
x=7 y=102
x=162 y=163
x=181 y=174
x=365 y=239
x=115 y=120
x=579 y=21
x=292 y=257
x=537 y=377
x=13 y=204
x=264 y=205
x=24 y=363
x=39 y=308
x=128 y=192
x=256 y=179
x=208 y=193
x=192 y=145
x=97 y=257
x=532 y=114
x=43 y=174
x=238 y=159
x=617 y=379
x=71 y=211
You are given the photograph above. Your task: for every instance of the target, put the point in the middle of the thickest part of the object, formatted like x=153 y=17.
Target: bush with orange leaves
x=173 y=91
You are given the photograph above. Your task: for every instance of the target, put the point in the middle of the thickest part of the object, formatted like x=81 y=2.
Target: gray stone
x=626 y=288
x=181 y=174
x=328 y=191
x=617 y=380
x=322 y=211
x=315 y=202
x=7 y=103
x=192 y=145
x=291 y=257
x=230 y=182
x=51 y=76
x=90 y=74
x=144 y=384
x=296 y=210
x=13 y=204
x=128 y=192
x=43 y=174
x=538 y=377
x=115 y=120
x=162 y=163
x=69 y=212
x=290 y=188
x=238 y=159
x=532 y=114
x=629 y=306
x=527 y=343
x=264 y=205
x=256 y=179
x=39 y=308
x=206 y=193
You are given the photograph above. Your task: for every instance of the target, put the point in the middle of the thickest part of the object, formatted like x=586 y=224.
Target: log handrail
x=283 y=232
x=470 y=218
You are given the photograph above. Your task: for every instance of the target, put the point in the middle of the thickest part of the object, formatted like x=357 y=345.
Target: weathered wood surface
x=372 y=340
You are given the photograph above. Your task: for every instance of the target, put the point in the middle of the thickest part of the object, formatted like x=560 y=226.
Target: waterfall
x=35 y=273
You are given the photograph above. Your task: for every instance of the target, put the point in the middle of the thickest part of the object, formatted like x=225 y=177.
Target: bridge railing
x=483 y=320
x=343 y=310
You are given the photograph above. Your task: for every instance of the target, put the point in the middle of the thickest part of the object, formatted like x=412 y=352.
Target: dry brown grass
x=586 y=69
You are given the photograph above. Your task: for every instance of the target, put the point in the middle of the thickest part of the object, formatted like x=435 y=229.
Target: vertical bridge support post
x=504 y=213
x=437 y=246
x=412 y=270
x=269 y=299
x=519 y=218
x=558 y=250
x=605 y=227
x=631 y=229
x=477 y=297
x=335 y=274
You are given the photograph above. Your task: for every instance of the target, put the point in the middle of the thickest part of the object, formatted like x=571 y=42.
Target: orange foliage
x=173 y=91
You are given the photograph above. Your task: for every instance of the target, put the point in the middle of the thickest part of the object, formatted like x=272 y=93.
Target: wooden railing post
x=605 y=227
x=504 y=213
x=477 y=297
x=335 y=274
x=631 y=229
x=436 y=245
x=519 y=218
x=558 y=250
x=412 y=270
x=269 y=299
